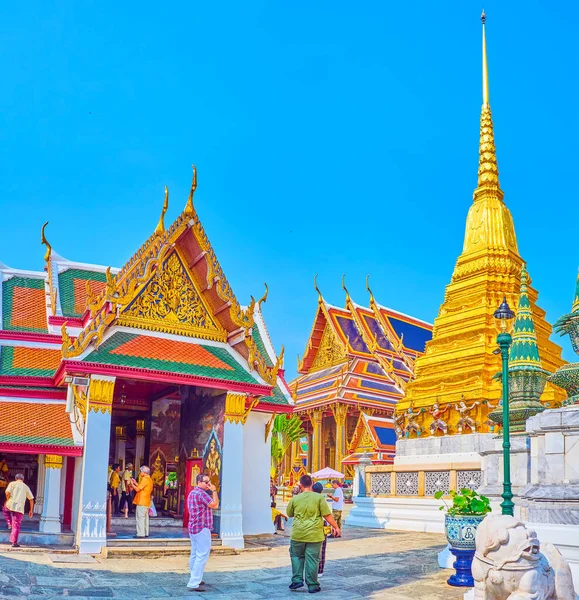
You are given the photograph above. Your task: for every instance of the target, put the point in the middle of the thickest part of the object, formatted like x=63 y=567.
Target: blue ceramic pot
x=461 y=530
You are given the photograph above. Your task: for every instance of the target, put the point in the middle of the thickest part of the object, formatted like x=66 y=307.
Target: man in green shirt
x=309 y=511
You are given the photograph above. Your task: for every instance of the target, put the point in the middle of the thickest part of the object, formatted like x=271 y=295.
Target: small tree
x=285 y=431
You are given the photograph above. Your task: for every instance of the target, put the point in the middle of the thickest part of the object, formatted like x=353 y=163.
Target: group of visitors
x=121 y=489
x=128 y=493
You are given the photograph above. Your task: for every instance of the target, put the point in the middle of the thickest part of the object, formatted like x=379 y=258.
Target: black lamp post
x=504 y=314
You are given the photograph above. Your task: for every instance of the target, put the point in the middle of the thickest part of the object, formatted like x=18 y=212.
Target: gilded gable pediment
x=169 y=301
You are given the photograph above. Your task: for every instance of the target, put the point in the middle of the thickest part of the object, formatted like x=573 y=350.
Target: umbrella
x=328 y=473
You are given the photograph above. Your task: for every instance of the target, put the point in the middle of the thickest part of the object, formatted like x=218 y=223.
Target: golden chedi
x=459 y=362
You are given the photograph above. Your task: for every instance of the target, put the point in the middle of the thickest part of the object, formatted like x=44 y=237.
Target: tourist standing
x=142 y=501
x=3 y=479
x=319 y=488
x=337 y=502
x=115 y=485
x=17 y=492
x=272 y=490
x=308 y=510
x=201 y=506
x=125 y=504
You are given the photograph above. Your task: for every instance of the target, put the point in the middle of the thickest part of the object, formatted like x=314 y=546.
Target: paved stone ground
x=364 y=563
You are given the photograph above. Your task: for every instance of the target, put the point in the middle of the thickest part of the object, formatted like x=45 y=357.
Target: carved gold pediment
x=330 y=351
x=170 y=302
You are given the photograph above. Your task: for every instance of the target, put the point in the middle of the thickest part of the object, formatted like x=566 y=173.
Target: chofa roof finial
x=320 y=297
x=160 y=229
x=44 y=241
x=348 y=299
x=189 y=210
x=264 y=297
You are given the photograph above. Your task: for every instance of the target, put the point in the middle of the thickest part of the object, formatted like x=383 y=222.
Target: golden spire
x=485 y=66
x=488 y=171
x=44 y=241
x=189 y=210
x=160 y=229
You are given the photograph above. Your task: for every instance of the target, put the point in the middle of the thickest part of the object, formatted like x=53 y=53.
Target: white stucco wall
x=256 y=464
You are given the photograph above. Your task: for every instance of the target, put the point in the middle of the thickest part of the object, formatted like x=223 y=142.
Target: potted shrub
x=463 y=516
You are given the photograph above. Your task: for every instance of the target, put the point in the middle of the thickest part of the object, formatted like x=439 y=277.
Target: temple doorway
x=177 y=431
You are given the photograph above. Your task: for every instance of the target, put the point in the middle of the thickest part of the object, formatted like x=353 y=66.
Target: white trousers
x=142 y=517
x=200 y=548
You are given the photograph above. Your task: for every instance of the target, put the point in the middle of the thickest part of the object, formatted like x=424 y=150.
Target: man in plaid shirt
x=201 y=506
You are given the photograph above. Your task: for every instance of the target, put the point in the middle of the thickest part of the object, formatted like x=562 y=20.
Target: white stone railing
x=419 y=481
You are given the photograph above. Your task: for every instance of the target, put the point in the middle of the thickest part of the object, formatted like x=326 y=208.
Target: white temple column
x=50 y=517
x=140 y=446
x=91 y=534
x=39 y=500
x=232 y=471
x=256 y=510
x=120 y=445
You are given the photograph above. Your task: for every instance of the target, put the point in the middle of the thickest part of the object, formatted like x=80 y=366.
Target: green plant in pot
x=463 y=517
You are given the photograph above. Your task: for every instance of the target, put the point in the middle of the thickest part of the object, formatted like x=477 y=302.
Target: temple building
x=155 y=363
x=456 y=373
x=356 y=367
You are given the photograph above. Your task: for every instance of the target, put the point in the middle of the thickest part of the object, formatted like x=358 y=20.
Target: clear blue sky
x=330 y=137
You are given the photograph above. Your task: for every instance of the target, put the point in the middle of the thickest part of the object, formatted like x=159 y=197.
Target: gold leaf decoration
x=170 y=302
x=330 y=351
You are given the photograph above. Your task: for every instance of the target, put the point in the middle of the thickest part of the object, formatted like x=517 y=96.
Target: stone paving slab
x=364 y=563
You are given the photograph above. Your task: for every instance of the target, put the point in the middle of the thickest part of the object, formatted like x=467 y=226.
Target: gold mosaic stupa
x=459 y=362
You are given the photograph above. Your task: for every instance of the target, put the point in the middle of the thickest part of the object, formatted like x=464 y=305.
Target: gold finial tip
x=483 y=17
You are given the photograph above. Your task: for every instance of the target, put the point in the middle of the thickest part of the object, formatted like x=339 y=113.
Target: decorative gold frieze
x=52 y=461
x=101 y=395
x=235 y=407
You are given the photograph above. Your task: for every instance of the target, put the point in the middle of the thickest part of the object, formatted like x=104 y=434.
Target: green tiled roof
x=261 y=346
x=36 y=440
x=277 y=397
x=66 y=289
x=24 y=305
x=179 y=357
x=29 y=362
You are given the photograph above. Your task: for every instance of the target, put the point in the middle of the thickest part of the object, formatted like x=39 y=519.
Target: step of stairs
x=152 y=547
x=156 y=546
x=177 y=542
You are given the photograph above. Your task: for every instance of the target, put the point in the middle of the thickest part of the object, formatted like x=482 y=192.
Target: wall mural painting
x=165 y=417
x=202 y=416
x=212 y=459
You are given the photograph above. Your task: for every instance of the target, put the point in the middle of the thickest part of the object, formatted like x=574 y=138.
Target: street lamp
x=504 y=314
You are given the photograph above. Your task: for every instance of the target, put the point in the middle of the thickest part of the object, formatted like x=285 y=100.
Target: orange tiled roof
x=24 y=304
x=29 y=362
x=169 y=350
x=80 y=294
x=35 y=423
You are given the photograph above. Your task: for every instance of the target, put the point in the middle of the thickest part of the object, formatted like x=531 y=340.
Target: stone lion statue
x=508 y=564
